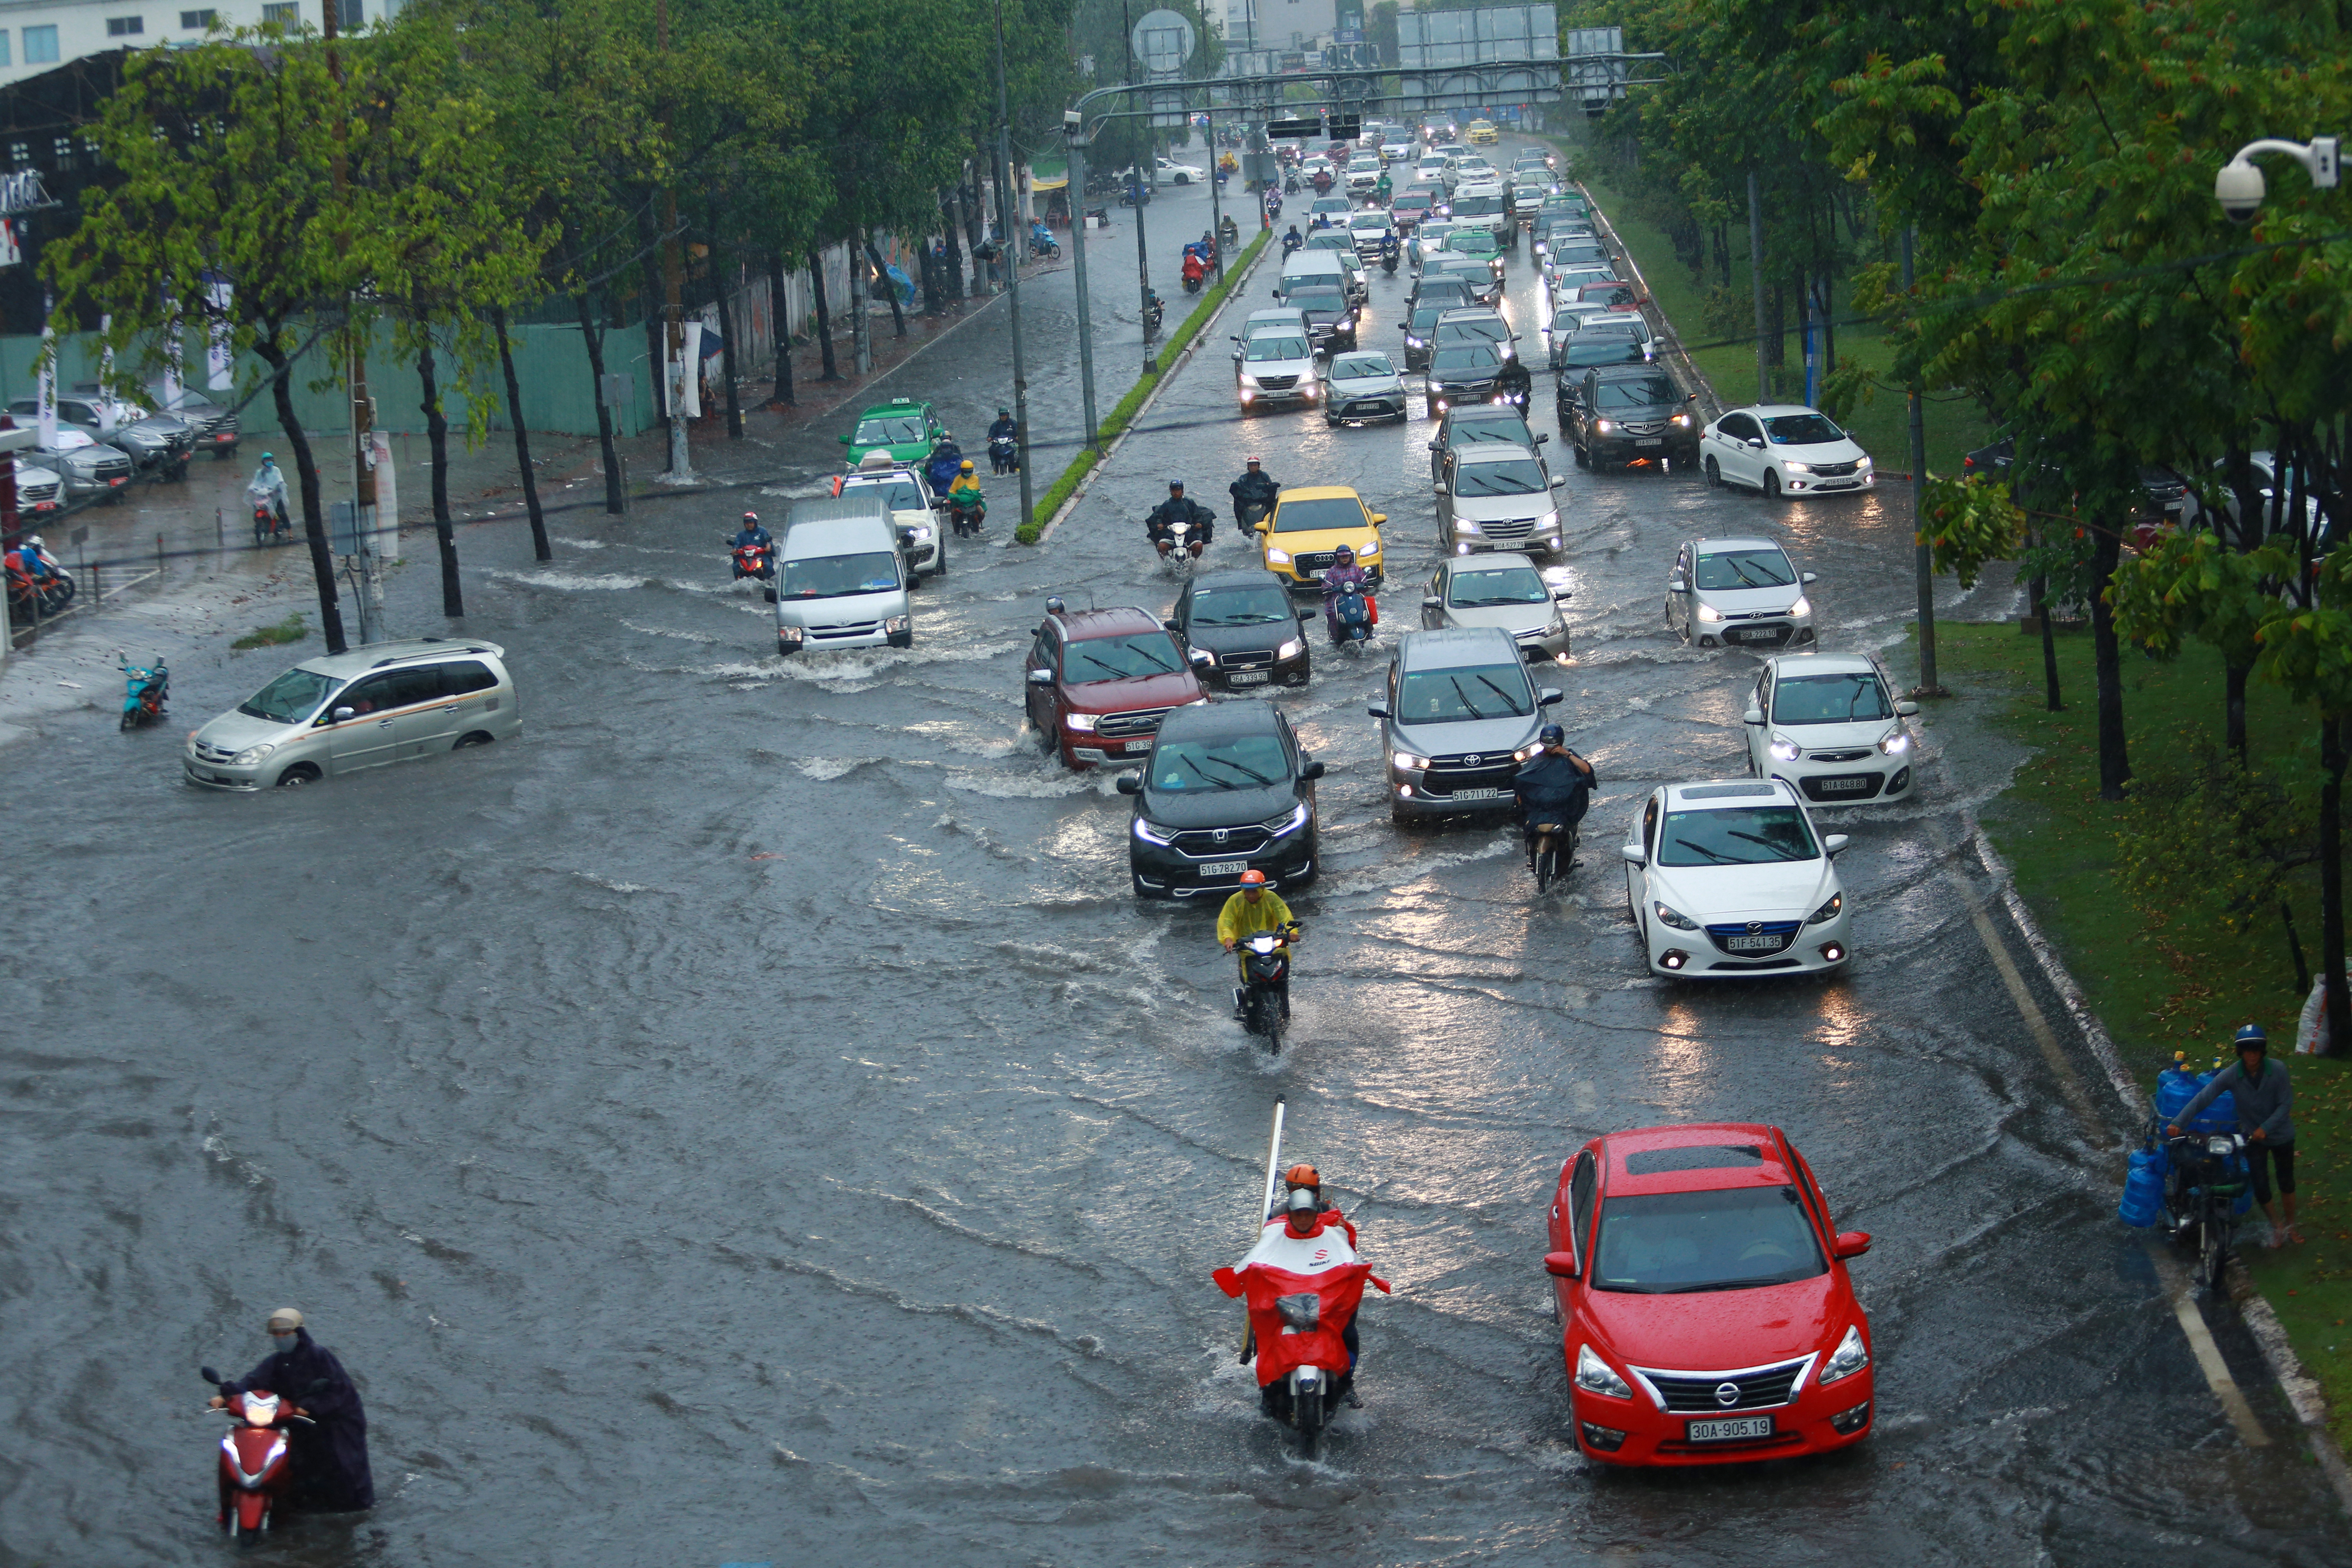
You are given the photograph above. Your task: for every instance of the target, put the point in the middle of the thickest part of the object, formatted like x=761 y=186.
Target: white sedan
x=1826 y=723
x=1177 y=173
x=1729 y=880
x=1783 y=448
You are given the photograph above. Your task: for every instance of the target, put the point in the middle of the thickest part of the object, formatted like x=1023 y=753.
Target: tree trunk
x=1776 y=330
x=657 y=360
x=823 y=321
x=2233 y=709
x=538 y=545
x=306 y=471
x=955 y=242
x=2331 y=882
x=933 y=305
x=889 y=290
x=1822 y=298
x=436 y=443
x=778 y=301
x=594 y=336
x=2114 y=760
x=726 y=335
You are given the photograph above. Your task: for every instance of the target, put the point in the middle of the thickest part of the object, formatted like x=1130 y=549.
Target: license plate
x=1758 y=633
x=1224 y=868
x=118 y=481
x=1142 y=745
x=1758 y=943
x=1650 y=441
x=1247 y=677
x=1478 y=795
x=1831 y=786
x=224 y=437
x=1727 y=1430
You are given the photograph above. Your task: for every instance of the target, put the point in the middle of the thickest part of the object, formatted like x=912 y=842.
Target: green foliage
x=2201 y=819
x=1968 y=523
x=290 y=630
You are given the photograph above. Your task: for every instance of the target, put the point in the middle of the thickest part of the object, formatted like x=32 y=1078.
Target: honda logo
x=1221 y=833
x=1727 y=1395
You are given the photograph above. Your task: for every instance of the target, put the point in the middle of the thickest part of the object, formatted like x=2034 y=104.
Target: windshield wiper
x=1509 y=701
x=1116 y=673
x=1726 y=1284
x=1736 y=566
x=1779 y=850
x=1720 y=859
x=1464 y=696
x=1239 y=768
x=1213 y=778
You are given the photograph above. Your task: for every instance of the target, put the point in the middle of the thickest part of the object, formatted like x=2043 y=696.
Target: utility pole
x=1070 y=125
x=1217 y=208
x=1756 y=278
x=676 y=371
x=1924 y=563
x=1143 y=267
x=363 y=513
x=1012 y=254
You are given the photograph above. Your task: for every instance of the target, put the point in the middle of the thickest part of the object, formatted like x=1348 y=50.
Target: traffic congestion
x=875 y=948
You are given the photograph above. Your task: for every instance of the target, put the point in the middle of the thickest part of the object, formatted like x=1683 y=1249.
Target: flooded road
x=747 y=1119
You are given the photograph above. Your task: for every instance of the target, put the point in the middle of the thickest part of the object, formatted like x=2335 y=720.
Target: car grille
x=1839 y=756
x=1222 y=843
x=206 y=751
x=109 y=467
x=1142 y=721
x=849 y=630
x=1471 y=770
x=1694 y=1393
x=1645 y=428
x=1843 y=786
x=1834 y=470
x=1315 y=561
x=1784 y=932
x=1256 y=658
x=1276 y=383
x=1515 y=528
x=37 y=492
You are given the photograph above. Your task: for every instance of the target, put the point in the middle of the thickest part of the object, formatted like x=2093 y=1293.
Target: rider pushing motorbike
x=1174 y=513
x=1252 y=908
x=1555 y=785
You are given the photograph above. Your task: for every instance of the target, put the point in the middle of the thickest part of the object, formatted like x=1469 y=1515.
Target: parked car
x=1494 y=497
x=1457 y=718
x=217 y=431
x=154 y=442
x=1622 y=415
x=1242 y=620
x=1709 y=1315
x=39 y=491
x=1501 y=590
x=1309 y=523
x=1828 y=724
x=1728 y=879
x=1783 y=449
x=1226 y=789
x=1361 y=386
x=386 y=702
x=1739 y=592
x=86 y=467
x=1099 y=681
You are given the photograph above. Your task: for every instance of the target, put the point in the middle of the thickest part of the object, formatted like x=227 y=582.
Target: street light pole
x=1013 y=268
x=1071 y=121
x=1143 y=270
x=1923 y=561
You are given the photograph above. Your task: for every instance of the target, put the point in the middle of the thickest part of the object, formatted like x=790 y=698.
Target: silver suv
x=1460 y=716
x=386 y=702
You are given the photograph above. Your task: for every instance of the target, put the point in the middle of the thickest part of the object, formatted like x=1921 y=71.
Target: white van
x=840 y=582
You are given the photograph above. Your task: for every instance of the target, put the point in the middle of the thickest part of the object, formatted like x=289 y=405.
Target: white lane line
x=2207 y=1353
x=2069 y=1080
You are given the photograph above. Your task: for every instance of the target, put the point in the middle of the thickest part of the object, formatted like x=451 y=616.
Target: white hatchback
x=1827 y=725
x=1730 y=879
x=1783 y=448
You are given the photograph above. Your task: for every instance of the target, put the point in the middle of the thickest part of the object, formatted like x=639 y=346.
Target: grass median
x=1124 y=415
x=2171 y=970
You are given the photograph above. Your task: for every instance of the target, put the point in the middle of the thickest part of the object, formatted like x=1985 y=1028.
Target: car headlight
x=1529 y=750
x=1290 y=649
x=1368 y=552
x=1863 y=467
x=1597 y=1376
x=1208 y=653
x=1604 y=426
x=1463 y=525
x=922 y=534
x=1290 y=821
x=1682 y=419
x=1669 y=917
x=1803 y=606
x=1796 y=468
x=1084 y=723
x=1249 y=382
x=1151 y=832
x=1548 y=523
x=1895 y=746
x=1276 y=557
x=1849 y=1358
x=251 y=755
x=1783 y=749
x=1413 y=343
x=894 y=625
x=1407 y=760
x=1828 y=911
x=1709 y=613
x=791 y=636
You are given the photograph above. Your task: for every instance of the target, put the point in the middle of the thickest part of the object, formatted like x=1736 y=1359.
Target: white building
x=36 y=36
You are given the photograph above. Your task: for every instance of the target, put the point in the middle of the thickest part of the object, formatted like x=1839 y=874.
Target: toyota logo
x=1473 y=759
x=1727 y=1395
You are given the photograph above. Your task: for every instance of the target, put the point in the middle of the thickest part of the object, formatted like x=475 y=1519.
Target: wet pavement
x=747 y=1119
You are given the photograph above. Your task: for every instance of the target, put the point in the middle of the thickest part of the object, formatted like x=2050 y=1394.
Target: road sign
x=1163 y=41
x=1294 y=130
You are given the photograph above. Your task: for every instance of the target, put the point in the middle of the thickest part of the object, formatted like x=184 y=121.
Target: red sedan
x=1709 y=1315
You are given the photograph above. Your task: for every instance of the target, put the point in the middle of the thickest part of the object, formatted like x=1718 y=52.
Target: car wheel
x=300 y=773
x=1584 y=458
x=1771 y=484
x=477 y=738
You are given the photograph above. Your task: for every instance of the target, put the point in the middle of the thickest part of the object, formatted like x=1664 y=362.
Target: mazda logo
x=1727 y=1395
x=1754 y=927
x=1473 y=759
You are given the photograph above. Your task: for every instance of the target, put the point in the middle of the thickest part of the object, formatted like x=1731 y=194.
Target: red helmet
x=1253 y=878
x=1303 y=1176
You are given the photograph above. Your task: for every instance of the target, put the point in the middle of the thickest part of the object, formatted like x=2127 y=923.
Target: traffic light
x=1347 y=127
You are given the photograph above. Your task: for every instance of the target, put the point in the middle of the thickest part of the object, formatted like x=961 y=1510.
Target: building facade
x=37 y=35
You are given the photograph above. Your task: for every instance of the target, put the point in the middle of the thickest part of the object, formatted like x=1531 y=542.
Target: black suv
x=1225 y=790
x=1463 y=373
x=1501 y=422
x=1244 y=621
x=1625 y=414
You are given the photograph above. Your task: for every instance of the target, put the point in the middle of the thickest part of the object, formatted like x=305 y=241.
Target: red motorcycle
x=751 y=561
x=269 y=527
x=255 y=1472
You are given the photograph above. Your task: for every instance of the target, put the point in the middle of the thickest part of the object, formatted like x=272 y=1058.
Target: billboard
x=1463 y=59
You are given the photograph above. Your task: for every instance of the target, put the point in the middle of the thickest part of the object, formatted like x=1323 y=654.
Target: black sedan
x=1501 y=422
x=1244 y=621
x=1463 y=373
x=1225 y=790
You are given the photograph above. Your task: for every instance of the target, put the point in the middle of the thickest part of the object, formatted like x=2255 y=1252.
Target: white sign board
x=1162 y=42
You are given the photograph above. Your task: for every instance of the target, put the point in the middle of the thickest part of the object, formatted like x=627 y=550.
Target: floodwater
x=747 y=1119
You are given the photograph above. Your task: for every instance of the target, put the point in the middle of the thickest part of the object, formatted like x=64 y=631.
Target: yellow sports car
x=1310 y=524
x=1482 y=133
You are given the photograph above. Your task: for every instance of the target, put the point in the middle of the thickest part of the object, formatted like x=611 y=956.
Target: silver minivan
x=386 y=702
x=840 y=582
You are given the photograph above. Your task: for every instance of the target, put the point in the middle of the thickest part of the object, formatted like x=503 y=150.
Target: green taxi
x=902 y=427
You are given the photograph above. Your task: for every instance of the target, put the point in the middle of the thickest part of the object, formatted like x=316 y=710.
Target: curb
x=1666 y=328
x=1183 y=358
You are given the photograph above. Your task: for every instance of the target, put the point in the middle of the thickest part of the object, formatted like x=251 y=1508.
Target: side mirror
x=1200 y=659
x=1809 y=576
x=1755 y=445
x=1438 y=488
x=1561 y=1265
x=1850 y=1244
x=1313 y=770
x=1430 y=601
x=1543 y=437
x=1262 y=525
x=211 y=1376
x=341 y=714
x=1237 y=356
x=1041 y=677
x=1377 y=710
x=1306 y=615
x=845 y=440
x=1432 y=445
x=1906 y=708
x=1172 y=627
x=1558 y=480
x=1378 y=518
x=1753 y=715
x=1127 y=784
x=1632 y=855
x=1548 y=695
x=1675 y=585
x=1835 y=843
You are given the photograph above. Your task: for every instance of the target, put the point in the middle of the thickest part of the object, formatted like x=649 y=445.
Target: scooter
x=1263 y=996
x=1194 y=273
x=1039 y=245
x=751 y=561
x=145 y=693
x=28 y=602
x=1389 y=262
x=1152 y=311
x=1248 y=514
x=255 y=1472
x=1552 y=851
x=1350 y=615
x=268 y=527
x=1230 y=235
x=967 y=521
x=1290 y=182
x=1004 y=454
x=1184 y=544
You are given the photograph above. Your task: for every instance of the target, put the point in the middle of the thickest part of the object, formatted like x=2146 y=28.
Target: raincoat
x=329 y=1460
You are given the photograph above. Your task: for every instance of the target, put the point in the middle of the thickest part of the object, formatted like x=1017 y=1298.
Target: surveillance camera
x=1073 y=118
x=2239 y=188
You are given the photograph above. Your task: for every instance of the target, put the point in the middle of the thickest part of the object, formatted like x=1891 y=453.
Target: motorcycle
x=1290 y=182
x=255 y=1472
x=1045 y=247
x=1264 y=994
x=1248 y=514
x=1350 y=615
x=1551 y=851
x=146 y=690
x=269 y=527
x=1194 y=273
x=30 y=601
x=2193 y=1187
x=1230 y=235
x=1151 y=315
x=1135 y=197
x=1389 y=262
x=1183 y=543
x=967 y=520
x=1004 y=454
x=754 y=561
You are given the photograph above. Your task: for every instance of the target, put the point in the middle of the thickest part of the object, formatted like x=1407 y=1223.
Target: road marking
x=2207 y=1353
x=2069 y=1080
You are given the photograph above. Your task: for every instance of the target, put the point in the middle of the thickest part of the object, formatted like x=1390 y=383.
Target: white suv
x=386 y=702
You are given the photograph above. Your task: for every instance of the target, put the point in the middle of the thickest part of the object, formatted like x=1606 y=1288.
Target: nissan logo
x=1473 y=759
x=1727 y=1395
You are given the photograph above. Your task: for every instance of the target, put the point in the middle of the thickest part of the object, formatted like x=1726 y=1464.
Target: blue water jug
x=2175 y=1087
x=2220 y=1116
x=2143 y=1190
x=2245 y=1204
